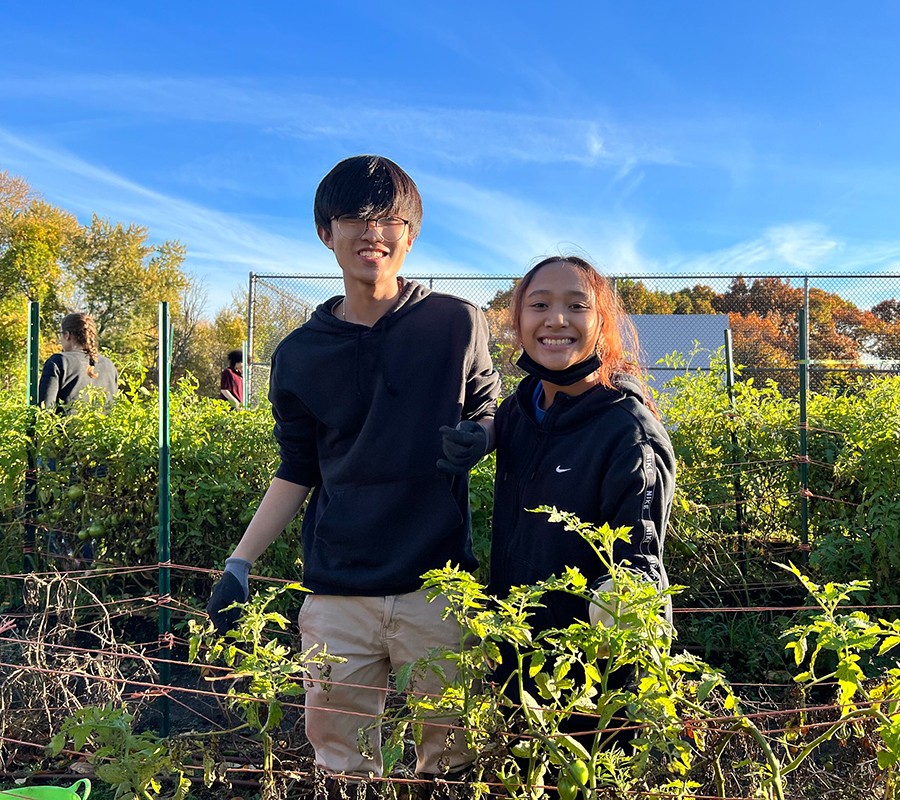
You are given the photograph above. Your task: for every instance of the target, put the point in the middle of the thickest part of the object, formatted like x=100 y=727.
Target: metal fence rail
x=854 y=320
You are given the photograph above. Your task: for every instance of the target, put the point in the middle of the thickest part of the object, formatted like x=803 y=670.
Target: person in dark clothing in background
x=65 y=378
x=362 y=394
x=66 y=375
x=232 y=383
x=580 y=433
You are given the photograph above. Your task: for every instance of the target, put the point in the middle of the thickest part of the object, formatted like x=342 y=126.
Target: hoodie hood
x=411 y=294
x=323 y=320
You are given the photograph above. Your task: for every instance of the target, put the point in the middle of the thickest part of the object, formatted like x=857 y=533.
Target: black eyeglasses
x=389 y=228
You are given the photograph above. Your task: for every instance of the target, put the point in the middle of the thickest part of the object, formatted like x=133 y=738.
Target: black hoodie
x=357 y=413
x=601 y=455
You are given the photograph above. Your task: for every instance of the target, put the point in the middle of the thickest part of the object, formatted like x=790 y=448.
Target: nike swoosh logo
x=560 y=469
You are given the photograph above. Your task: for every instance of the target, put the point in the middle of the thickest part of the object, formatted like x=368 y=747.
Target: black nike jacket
x=601 y=455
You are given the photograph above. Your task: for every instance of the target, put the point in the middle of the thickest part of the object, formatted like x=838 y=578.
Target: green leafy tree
x=121 y=277
x=35 y=239
x=636 y=298
x=697 y=300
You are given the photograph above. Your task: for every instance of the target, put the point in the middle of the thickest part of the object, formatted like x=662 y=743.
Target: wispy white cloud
x=502 y=233
x=222 y=247
x=802 y=246
x=456 y=135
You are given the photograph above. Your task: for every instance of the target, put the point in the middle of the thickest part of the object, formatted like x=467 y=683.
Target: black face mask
x=559 y=377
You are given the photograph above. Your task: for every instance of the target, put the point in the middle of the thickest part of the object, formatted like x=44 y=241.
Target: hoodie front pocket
x=384 y=532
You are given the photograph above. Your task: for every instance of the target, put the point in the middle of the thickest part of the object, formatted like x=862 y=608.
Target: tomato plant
x=98 y=480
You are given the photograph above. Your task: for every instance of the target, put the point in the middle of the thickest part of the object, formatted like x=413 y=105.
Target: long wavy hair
x=82 y=329
x=617 y=340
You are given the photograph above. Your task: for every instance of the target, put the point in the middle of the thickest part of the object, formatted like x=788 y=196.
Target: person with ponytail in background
x=64 y=379
x=66 y=375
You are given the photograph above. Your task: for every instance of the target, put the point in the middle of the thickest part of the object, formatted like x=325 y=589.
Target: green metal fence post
x=738 y=489
x=29 y=508
x=164 y=548
x=34 y=331
x=251 y=313
x=804 y=426
x=244 y=350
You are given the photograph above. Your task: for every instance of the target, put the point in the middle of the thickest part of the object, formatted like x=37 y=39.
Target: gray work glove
x=463 y=447
x=233 y=587
x=608 y=612
x=603 y=613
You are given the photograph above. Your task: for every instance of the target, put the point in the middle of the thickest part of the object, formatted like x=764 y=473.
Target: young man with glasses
x=383 y=401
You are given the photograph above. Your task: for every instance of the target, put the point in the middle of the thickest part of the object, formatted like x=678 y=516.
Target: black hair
x=235 y=357
x=366 y=187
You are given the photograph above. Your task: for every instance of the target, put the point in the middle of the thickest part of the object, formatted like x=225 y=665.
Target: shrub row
x=98 y=476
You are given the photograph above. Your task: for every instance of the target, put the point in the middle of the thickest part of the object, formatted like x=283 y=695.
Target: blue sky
x=657 y=137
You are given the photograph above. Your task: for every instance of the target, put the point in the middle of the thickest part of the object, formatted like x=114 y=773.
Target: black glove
x=463 y=447
x=232 y=588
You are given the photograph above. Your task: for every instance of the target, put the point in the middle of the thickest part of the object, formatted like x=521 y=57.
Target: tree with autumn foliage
x=886 y=338
x=764 y=318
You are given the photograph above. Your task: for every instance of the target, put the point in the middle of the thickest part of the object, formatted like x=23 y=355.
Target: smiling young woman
x=571 y=328
x=580 y=433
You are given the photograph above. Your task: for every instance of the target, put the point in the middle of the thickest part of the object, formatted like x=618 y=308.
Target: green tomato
x=83 y=534
x=567 y=790
x=76 y=492
x=96 y=530
x=579 y=772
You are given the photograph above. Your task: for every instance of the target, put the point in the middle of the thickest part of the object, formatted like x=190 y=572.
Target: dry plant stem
x=717 y=758
x=774 y=765
x=53 y=600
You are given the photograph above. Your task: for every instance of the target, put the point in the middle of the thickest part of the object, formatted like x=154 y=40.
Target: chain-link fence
x=854 y=321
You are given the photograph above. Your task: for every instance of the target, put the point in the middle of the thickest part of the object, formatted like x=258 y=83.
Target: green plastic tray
x=49 y=792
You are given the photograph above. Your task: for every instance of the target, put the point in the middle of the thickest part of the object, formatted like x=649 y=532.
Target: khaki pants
x=374 y=634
